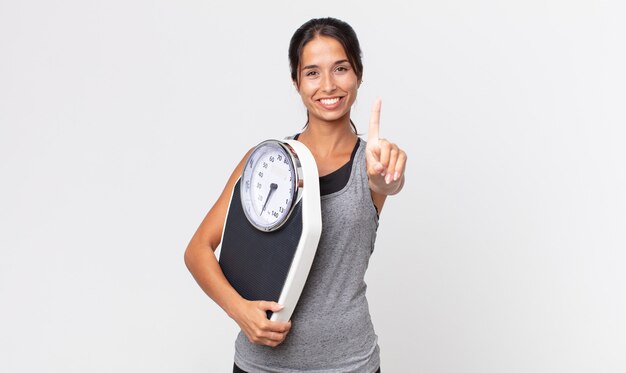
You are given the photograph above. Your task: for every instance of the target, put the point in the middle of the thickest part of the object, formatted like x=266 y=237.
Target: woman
x=331 y=329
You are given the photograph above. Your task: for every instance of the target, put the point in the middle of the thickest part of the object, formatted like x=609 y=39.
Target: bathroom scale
x=273 y=225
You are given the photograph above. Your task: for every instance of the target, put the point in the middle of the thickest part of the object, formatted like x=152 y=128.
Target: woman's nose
x=328 y=83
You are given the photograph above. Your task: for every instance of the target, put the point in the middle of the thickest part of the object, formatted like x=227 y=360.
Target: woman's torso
x=331 y=326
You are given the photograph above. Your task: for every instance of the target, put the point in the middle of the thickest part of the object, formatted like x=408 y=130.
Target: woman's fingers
x=385 y=148
x=258 y=328
x=373 y=159
x=374 y=127
x=269 y=306
x=269 y=334
x=400 y=164
x=392 y=160
x=385 y=161
x=373 y=149
x=391 y=168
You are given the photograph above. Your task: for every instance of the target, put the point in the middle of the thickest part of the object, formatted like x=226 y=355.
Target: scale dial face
x=269 y=185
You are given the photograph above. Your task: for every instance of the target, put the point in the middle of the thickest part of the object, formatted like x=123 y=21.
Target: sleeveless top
x=331 y=330
x=337 y=180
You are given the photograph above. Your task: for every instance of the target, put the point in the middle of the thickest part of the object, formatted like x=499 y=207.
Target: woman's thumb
x=270 y=306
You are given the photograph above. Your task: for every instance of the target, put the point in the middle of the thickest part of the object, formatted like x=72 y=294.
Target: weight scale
x=273 y=225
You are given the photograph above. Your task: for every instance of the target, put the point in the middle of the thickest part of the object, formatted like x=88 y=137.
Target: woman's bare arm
x=203 y=265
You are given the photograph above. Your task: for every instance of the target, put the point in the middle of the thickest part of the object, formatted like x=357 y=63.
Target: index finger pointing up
x=374 y=121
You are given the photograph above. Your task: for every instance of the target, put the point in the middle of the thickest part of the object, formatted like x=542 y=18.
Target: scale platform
x=274 y=265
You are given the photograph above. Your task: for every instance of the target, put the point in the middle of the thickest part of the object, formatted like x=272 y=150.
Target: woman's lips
x=330 y=103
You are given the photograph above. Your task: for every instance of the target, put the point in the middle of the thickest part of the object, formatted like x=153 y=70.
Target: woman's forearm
x=204 y=267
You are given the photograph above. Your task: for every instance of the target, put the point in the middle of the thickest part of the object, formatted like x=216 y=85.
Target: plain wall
x=120 y=122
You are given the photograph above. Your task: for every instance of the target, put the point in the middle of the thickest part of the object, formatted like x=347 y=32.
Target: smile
x=329 y=101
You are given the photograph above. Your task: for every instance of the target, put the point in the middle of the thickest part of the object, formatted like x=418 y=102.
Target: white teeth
x=329 y=101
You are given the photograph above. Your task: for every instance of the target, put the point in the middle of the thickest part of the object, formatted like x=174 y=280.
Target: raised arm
x=385 y=162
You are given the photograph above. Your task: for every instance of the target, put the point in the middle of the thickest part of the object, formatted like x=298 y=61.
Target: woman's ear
x=295 y=85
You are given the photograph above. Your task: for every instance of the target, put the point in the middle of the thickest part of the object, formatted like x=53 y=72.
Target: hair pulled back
x=330 y=27
x=333 y=28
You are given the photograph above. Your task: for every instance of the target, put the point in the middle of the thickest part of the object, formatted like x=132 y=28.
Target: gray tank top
x=331 y=330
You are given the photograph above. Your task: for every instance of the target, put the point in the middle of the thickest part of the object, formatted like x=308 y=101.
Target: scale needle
x=273 y=187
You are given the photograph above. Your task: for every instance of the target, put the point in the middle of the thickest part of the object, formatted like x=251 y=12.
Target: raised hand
x=385 y=160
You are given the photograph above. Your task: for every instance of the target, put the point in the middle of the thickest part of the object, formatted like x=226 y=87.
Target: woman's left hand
x=385 y=160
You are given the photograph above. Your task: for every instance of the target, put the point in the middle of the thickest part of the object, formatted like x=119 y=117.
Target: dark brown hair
x=330 y=27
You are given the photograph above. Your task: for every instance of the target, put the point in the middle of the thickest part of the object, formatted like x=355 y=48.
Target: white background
x=120 y=122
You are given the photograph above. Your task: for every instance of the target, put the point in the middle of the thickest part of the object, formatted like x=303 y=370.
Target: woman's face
x=328 y=84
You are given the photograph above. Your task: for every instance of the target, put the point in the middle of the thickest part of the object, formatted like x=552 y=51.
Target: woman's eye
x=341 y=68
x=310 y=73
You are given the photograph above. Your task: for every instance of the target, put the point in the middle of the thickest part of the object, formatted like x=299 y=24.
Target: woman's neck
x=325 y=139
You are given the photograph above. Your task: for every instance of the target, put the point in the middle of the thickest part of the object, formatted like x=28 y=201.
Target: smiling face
x=327 y=82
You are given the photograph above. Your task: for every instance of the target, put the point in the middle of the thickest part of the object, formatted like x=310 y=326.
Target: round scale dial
x=270 y=184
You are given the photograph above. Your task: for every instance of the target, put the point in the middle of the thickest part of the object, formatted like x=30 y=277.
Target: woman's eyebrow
x=316 y=66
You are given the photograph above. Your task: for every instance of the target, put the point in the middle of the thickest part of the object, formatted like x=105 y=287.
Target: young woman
x=331 y=329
